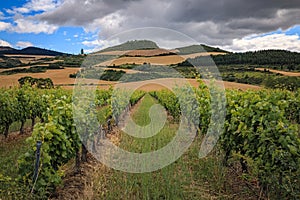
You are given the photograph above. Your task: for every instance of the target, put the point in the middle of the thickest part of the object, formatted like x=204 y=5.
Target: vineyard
x=260 y=140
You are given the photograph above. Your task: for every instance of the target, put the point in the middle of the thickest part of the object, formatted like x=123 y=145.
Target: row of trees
x=263 y=57
x=42 y=83
x=286 y=60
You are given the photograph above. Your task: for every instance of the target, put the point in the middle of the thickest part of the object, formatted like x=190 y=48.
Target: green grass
x=10 y=188
x=187 y=178
x=102 y=114
x=9 y=153
x=16 y=125
x=141 y=116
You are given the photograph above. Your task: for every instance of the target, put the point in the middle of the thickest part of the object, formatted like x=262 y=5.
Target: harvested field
x=158 y=84
x=58 y=77
x=156 y=60
x=114 y=53
x=61 y=77
x=1 y=70
x=194 y=55
x=147 y=53
x=281 y=72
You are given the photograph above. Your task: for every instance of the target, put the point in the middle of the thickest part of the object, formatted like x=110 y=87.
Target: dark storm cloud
x=81 y=12
x=224 y=10
x=209 y=21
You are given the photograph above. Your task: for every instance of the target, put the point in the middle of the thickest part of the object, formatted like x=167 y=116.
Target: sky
x=70 y=25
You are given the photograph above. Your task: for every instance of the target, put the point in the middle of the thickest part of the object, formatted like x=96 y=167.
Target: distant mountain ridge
x=6 y=48
x=30 y=51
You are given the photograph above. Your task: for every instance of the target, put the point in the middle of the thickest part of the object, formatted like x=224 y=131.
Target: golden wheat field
x=156 y=60
x=61 y=77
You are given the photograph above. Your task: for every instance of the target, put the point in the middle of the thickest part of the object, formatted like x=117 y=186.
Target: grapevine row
x=261 y=128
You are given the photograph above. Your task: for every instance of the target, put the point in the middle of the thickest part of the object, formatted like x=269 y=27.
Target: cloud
x=2 y=16
x=212 y=22
x=96 y=45
x=273 y=41
x=35 y=5
x=5 y=43
x=91 y=43
x=24 y=25
x=4 y=26
x=221 y=23
x=24 y=44
x=81 y=13
x=75 y=36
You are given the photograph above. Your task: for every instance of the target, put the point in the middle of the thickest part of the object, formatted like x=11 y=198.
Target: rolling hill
x=132 y=45
x=29 y=51
x=6 y=48
x=198 y=49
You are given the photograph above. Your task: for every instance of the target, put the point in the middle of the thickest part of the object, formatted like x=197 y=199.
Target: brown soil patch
x=169 y=83
x=194 y=55
x=85 y=184
x=15 y=136
x=59 y=77
x=1 y=70
x=79 y=185
x=238 y=186
x=150 y=52
x=155 y=60
x=281 y=72
x=114 y=53
x=159 y=84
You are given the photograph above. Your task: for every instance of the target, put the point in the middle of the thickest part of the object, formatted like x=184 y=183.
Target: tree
x=82 y=52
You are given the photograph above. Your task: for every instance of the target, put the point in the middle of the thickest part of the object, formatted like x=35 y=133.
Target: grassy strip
x=16 y=125
x=10 y=151
x=187 y=178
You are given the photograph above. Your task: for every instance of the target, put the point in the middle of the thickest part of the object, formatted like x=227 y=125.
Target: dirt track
x=281 y=72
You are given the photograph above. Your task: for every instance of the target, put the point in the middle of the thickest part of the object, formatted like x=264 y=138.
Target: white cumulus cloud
x=272 y=41
x=35 y=5
x=4 y=26
x=24 y=44
x=5 y=43
x=96 y=45
x=24 y=25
